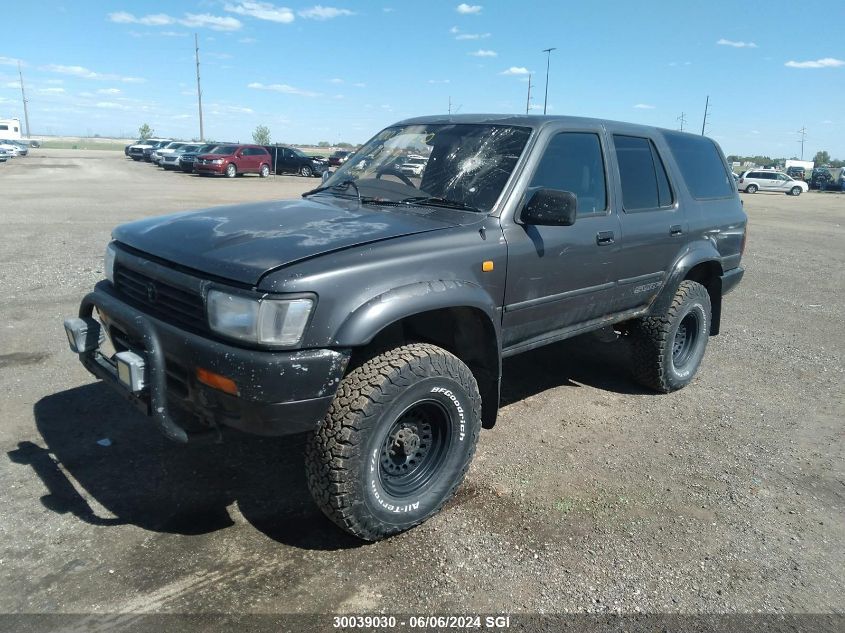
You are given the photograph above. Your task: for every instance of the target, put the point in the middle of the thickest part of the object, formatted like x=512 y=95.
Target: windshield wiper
x=341 y=186
x=436 y=201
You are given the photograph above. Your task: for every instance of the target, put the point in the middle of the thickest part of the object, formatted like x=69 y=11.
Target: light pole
x=548 y=52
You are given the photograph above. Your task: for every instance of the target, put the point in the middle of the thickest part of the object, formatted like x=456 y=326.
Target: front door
x=559 y=276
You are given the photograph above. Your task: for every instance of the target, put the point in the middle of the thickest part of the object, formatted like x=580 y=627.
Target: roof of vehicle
x=529 y=120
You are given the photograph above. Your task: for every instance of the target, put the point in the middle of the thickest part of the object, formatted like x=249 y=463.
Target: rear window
x=701 y=165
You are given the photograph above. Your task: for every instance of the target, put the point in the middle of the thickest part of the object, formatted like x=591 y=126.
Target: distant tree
x=345 y=145
x=323 y=144
x=145 y=132
x=821 y=158
x=261 y=136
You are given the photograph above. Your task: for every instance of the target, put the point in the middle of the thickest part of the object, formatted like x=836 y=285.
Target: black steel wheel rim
x=686 y=337
x=414 y=448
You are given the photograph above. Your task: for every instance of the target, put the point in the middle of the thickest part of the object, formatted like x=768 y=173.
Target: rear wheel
x=396 y=442
x=306 y=171
x=265 y=171
x=795 y=191
x=231 y=170
x=751 y=189
x=668 y=349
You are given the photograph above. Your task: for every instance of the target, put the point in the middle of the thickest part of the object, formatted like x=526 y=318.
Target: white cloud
x=11 y=84
x=644 y=106
x=247 y=40
x=319 y=12
x=516 y=70
x=483 y=53
x=51 y=91
x=826 y=62
x=336 y=80
x=735 y=44
x=192 y=20
x=85 y=73
x=438 y=81
x=284 y=88
x=454 y=30
x=111 y=105
x=8 y=61
x=388 y=9
x=468 y=9
x=827 y=122
x=472 y=36
x=360 y=84
x=109 y=91
x=262 y=11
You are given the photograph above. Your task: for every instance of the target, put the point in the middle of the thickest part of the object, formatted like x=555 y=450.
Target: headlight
x=217 y=161
x=267 y=321
x=108 y=262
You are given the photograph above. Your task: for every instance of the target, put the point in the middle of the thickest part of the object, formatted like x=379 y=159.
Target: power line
x=548 y=52
x=682 y=119
x=23 y=98
x=199 y=90
x=803 y=133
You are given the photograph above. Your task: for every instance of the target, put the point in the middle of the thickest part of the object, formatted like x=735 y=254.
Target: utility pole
x=682 y=119
x=528 y=100
x=199 y=89
x=450 y=104
x=706 y=108
x=803 y=133
x=23 y=98
x=548 y=52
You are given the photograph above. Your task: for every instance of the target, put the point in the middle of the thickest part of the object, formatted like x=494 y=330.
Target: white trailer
x=11 y=129
x=806 y=164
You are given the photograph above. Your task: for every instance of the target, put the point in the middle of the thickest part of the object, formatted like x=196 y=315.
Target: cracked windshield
x=451 y=165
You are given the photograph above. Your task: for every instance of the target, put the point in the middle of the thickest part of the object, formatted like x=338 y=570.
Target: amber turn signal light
x=487 y=266
x=216 y=381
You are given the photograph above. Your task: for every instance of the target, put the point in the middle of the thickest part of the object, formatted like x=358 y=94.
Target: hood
x=244 y=242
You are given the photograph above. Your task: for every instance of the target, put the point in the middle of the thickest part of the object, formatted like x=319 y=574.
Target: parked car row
x=828 y=179
x=13 y=148
x=227 y=159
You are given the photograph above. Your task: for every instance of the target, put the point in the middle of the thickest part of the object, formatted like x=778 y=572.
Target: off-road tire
x=657 y=361
x=345 y=457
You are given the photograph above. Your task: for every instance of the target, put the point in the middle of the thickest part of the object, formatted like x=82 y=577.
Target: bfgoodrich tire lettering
x=667 y=349
x=396 y=442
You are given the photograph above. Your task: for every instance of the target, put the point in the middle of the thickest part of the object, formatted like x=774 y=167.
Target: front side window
x=573 y=162
x=645 y=184
x=467 y=164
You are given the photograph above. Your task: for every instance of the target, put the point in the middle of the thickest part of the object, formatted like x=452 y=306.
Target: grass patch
x=83 y=144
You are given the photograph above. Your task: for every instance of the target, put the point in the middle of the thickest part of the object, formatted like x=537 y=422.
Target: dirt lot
x=590 y=494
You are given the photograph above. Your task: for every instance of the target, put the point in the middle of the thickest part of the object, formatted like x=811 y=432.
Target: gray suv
x=770 y=180
x=373 y=314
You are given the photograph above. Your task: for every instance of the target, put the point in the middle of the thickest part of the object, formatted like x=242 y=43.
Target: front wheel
x=265 y=171
x=751 y=189
x=306 y=171
x=231 y=170
x=668 y=348
x=396 y=442
x=795 y=191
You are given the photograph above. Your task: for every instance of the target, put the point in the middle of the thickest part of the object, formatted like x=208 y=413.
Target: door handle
x=675 y=229
x=604 y=237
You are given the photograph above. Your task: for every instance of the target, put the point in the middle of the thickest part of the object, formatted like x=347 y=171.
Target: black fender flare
x=702 y=252
x=380 y=312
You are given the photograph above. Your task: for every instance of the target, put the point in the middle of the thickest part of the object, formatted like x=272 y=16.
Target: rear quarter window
x=701 y=165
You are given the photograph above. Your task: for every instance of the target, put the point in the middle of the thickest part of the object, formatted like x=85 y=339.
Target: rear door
x=559 y=276
x=653 y=225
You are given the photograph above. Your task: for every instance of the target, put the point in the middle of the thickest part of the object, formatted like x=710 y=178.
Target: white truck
x=11 y=129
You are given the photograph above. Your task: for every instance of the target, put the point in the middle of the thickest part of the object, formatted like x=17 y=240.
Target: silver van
x=770 y=180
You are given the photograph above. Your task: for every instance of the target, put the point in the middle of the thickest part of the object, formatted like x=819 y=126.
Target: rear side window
x=701 y=165
x=573 y=162
x=645 y=184
x=4 y=127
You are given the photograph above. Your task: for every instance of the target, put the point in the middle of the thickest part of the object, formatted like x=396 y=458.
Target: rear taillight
x=742 y=180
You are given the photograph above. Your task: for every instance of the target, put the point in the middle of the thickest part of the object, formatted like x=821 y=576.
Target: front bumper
x=279 y=393
x=211 y=169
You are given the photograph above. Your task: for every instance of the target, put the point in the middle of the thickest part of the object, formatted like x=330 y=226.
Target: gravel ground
x=590 y=495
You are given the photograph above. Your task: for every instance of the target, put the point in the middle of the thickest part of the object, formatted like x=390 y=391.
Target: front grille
x=172 y=304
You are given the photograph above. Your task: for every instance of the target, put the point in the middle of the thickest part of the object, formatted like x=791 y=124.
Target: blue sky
x=343 y=70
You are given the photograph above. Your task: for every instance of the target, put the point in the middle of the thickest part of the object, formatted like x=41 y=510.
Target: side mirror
x=549 y=207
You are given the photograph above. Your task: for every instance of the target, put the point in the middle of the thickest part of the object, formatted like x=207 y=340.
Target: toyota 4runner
x=374 y=313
